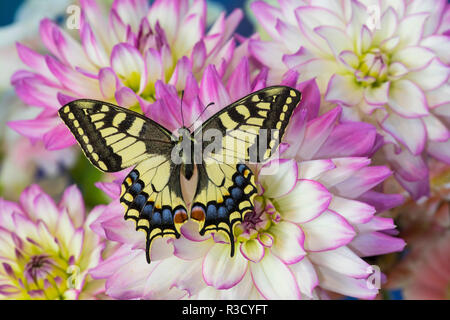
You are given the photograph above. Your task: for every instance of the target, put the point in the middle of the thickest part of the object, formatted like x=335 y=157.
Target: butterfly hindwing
x=224 y=194
x=253 y=126
x=114 y=138
x=151 y=194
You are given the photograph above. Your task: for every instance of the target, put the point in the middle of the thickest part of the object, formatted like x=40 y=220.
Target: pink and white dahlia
x=123 y=53
x=315 y=218
x=387 y=62
x=46 y=249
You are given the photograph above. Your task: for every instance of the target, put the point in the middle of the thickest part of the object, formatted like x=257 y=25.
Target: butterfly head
x=183 y=135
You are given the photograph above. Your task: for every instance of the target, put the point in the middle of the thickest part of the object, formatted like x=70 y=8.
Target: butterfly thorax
x=186 y=146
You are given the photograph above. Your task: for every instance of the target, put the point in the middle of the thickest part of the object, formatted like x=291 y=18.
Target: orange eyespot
x=180 y=216
x=198 y=214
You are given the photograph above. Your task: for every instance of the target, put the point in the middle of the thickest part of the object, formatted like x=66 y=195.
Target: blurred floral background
x=359 y=207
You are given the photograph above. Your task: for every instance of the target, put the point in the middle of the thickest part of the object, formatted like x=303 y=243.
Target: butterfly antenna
x=181 y=107
x=210 y=104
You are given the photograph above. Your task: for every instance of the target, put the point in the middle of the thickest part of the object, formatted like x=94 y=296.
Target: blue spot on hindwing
x=146 y=212
x=222 y=212
x=156 y=218
x=229 y=203
x=211 y=212
x=139 y=201
x=241 y=168
x=135 y=188
x=133 y=175
x=167 y=216
x=239 y=180
x=236 y=193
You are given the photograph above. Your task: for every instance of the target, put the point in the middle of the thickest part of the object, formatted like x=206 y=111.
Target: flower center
x=257 y=221
x=38 y=267
x=251 y=220
x=373 y=68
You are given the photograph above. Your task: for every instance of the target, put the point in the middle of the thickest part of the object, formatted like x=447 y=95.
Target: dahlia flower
x=385 y=61
x=46 y=249
x=121 y=57
x=314 y=219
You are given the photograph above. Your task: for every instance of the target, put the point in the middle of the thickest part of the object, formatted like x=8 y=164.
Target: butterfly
x=114 y=138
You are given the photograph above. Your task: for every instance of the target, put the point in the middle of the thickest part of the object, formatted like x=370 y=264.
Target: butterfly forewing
x=114 y=138
x=252 y=127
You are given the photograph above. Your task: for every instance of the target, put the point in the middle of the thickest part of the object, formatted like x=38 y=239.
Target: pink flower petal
x=76 y=81
x=314 y=168
x=252 y=250
x=381 y=201
x=326 y=232
x=187 y=249
x=341 y=260
x=317 y=133
x=413 y=57
x=343 y=90
x=345 y=168
x=127 y=63
x=34 y=60
x=35 y=128
x=280 y=182
x=239 y=82
x=350 y=139
x=432 y=76
x=220 y=270
x=306 y=276
x=288 y=242
x=122 y=286
x=108 y=82
x=45 y=209
x=362 y=181
x=376 y=243
x=305 y=202
x=353 y=211
x=59 y=137
x=212 y=90
x=190 y=34
x=267 y=16
x=38 y=92
x=407 y=99
x=73 y=201
x=337 y=282
x=410 y=132
x=92 y=47
x=440 y=150
x=110 y=188
x=274 y=280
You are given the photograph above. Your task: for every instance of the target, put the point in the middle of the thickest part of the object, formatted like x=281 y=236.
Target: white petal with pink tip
x=305 y=202
x=274 y=280
x=222 y=271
